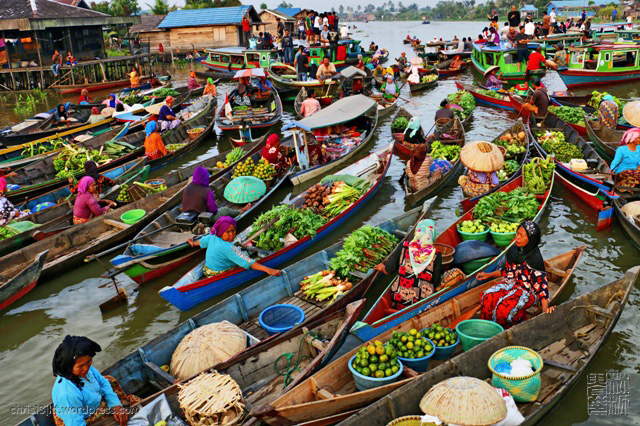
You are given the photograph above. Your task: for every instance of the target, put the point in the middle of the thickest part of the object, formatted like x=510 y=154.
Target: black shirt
x=514 y=18
x=333 y=38
x=523 y=46
x=541 y=100
x=280 y=28
x=302 y=62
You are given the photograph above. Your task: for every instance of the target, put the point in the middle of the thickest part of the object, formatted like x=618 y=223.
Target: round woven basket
x=525 y=388
x=195 y=132
x=155 y=183
x=212 y=399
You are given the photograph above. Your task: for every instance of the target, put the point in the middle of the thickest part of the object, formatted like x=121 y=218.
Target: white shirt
x=316 y=22
x=344 y=32
x=460 y=46
x=325 y=21
x=504 y=31
x=582 y=27
x=530 y=28
x=553 y=17
x=629 y=19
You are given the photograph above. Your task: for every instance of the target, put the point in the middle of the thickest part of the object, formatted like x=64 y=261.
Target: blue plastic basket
x=419 y=364
x=364 y=382
x=280 y=318
x=444 y=352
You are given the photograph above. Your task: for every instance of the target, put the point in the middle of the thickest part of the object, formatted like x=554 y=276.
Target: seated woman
x=134 y=78
x=493 y=81
x=626 y=163
x=192 y=83
x=243 y=90
x=419 y=169
x=60 y=115
x=86 y=206
x=84 y=97
x=166 y=117
x=8 y=212
x=70 y=59
x=222 y=254
x=272 y=152
x=91 y=169
x=389 y=89
x=113 y=101
x=412 y=133
x=81 y=395
x=456 y=63
x=210 y=88
x=524 y=281
x=264 y=88
x=153 y=144
x=477 y=183
x=95 y=116
x=199 y=197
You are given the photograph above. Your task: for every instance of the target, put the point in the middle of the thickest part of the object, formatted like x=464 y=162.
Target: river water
x=68 y=304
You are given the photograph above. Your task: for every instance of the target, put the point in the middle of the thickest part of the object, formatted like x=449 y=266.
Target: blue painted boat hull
x=596 y=79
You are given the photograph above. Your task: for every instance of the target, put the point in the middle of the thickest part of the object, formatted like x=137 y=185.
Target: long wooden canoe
x=340 y=396
x=382 y=317
x=631 y=226
x=568 y=340
x=404 y=151
x=253 y=120
x=13 y=287
x=445 y=71
x=605 y=140
x=192 y=288
x=502 y=101
x=416 y=87
x=285 y=79
x=517 y=127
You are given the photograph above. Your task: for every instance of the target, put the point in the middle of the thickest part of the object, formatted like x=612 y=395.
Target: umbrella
x=244 y=189
x=250 y=72
x=490 y=69
x=464 y=401
x=631 y=113
x=107 y=112
x=482 y=156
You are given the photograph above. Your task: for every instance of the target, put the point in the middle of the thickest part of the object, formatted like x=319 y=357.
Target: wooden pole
x=35 y=38
x=104 y=73
x=13 y=79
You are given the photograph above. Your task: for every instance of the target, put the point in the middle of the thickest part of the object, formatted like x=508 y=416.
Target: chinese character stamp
x=608 y=394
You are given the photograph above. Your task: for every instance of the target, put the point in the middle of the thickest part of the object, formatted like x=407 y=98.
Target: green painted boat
x=485 y=56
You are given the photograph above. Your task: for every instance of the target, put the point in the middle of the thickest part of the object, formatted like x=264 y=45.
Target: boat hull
x=575 y=78
x=22 y=283
x=630 y=228
x=486 y=100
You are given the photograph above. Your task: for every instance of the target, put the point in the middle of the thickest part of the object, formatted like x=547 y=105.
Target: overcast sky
x=311 y=4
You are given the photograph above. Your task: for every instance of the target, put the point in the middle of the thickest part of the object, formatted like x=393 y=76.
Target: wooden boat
x=570 y=99
x=61 y=207
x=415 y=87
x=605 y=140
x=502 y=101
x=183 y=99
x=39 y=177
x=159 y=253
x=517 y=127
x=381 y=317
x=226 y=61
x=445 y=71
x=485 y=56
x=13 y=287
x=359 y=111
x=599 y=64
x=452 y=127
x=384 y=107
x=574 y=333
x=303 y=95
x=285 y=79
x=595 y=185
x=631 y=226
x=340 y=398
x=263 y=117
x=192 y=288
x=139 y=373
x=466 y=120
x=66 y=89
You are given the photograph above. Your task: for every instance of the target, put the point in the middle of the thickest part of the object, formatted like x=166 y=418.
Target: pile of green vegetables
x=399 y=125
x=554 y=143
x=323 y=285
x=241 y=108
x=490 y=93
x=596 y=98
x=164 y=92
x=6 y=233
x=299 y=222
x=509 y=168
x=537 y=174
x=363 y=249
x=71 y=160
x=572 y=115
x=447 y=152
x=131 y=98
x=42 y=148
x=429 y=78
x=465 y=101
x=514 y=206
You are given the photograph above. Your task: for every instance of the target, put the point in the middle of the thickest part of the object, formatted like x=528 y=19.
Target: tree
x=102 y=7
x=204 y=4
x=341 y=10
x=161 y=7
x=125 y=7
x=285 y=4
x=263 y=6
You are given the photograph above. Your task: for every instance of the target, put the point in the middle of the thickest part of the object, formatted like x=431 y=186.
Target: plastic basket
x=474 y=265
x=406 y=421
x=477 y=236
x=523 y=389
x=132 y=216
x=444 y=352
x=155 y=183
x=419 y=364
x=502 y=239
x=475 y=331
x=364 y=382
x=280 y=318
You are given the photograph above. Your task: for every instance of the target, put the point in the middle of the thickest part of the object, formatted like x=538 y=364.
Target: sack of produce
x=212 y=399
x=470 y=250
x=632 y=209
x=205 y=347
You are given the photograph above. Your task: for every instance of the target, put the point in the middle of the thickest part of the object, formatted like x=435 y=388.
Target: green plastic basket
x=475 y=331
x=503 y=240
x=473 y=265
x=523 y=389
x=132 y=216
x=406 y=421
x=477 y=236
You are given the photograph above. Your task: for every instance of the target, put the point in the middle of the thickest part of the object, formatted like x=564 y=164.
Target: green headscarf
x=414 y=126
x=210 y=80
x=421 y=248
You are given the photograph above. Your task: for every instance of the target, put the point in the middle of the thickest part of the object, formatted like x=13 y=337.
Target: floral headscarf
x=421 y=248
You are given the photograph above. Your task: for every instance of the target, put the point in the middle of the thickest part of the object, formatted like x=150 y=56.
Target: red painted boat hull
x=487 y=99
x=26 y=289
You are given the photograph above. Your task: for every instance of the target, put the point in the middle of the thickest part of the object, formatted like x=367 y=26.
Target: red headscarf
x=95 y=111
x=271 y=151
x=630 y=135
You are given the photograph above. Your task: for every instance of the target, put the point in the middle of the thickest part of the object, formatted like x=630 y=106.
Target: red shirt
x=245 y=24
x=332 y=19
x=534 y=61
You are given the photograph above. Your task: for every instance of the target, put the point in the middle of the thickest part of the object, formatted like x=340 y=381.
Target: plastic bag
x=158 y=410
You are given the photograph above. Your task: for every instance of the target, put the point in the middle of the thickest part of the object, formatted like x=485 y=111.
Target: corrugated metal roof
x=289 y=10
x=200 y=17
x=581 y=3
x=529 y=7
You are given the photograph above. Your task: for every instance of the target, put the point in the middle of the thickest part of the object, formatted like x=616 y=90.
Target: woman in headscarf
x=84 y=97
x=477 y=183
x=412 y=133
x=626 y=163
x=360 y=64
x=167 y=117
x=91 y=169
x=81 y=395
x=8 y=212
x=389 y=89
x=95 y=117
x=419 y=169
x=60 y=115
x=192 y=83
x=608 y=112
x=272 y=152
x=524 y=281
x=197 y=195
x=222 y=254
x=86 y=205
x=210 y=88
x=153 y=144
x=134 y=78
x=113 y=101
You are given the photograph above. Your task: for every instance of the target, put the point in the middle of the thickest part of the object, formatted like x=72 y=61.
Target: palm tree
x=161 y=7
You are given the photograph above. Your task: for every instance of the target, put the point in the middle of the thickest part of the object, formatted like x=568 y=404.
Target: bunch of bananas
x=234 y=156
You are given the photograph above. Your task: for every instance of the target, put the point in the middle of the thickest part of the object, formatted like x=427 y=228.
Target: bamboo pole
x=35 y=38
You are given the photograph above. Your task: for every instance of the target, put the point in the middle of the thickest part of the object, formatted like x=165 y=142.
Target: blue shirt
x=74 y=405
x=222 y=255
x=267 y=86
x=625 y=159
x=164 y=111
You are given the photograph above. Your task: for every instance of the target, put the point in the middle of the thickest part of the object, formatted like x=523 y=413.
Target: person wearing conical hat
x=493 y=80
x=483 y=159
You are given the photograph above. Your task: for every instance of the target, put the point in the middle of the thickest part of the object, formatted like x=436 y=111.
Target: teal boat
x=599 y=64
x=485 y=56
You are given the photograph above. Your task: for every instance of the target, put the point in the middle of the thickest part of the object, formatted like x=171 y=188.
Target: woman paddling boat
x=8 y=211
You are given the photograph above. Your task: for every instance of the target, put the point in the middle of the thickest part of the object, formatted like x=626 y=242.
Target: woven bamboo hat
x=490 y=69
x=482 y=156
x=155 y=108
x=464 y=401
x=631 y=112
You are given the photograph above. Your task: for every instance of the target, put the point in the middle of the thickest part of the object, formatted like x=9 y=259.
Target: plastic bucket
x=444 y=352
x=477 y=236
x=503 y=240
x=419 y=364
x=474 y=265
x=364 y=382
x=280 y=318
x=132 y=216
x=475 y=331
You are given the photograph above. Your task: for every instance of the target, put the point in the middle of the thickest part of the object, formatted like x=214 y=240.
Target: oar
x=111 y=250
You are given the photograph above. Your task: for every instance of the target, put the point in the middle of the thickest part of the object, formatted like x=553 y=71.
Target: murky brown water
x=69 y=304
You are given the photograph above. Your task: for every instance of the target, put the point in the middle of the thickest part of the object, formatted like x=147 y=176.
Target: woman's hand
x=546 y=308
x=120 y=415
x=273 y=272
x=482 y=276
x=380 y=268
x=245 y=208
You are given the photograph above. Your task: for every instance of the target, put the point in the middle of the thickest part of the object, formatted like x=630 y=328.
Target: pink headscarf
x=84 y=184
x=3 y=185
x=221 y=225
x=630 y=136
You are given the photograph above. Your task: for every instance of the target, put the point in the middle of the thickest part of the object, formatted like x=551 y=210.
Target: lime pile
x=244 y=169
x=411 y=345
x=472 y=227
x=123 y=195
x=502 y=227
x=376 y=360
x=264 y=170
x=440 y=336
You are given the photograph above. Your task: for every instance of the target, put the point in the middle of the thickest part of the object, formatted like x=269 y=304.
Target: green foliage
x=537 y=174
x=568 y=114
x=26 y=106
x=363 y=249
x=555 y=143
x=285 y=4
x=399 y=125
x=463 y=99
x=263 y=6
x=447 y=152
x=117 y=7
x=161 y=7
x=299 y=222
x=204 y=4
x=514 y=206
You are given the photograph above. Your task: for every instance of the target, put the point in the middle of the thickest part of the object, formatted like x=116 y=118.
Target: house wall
x=271 y=25
x=183 y=39
x=154 y=39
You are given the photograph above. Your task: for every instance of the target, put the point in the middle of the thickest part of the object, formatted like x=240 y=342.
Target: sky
x=316 y=4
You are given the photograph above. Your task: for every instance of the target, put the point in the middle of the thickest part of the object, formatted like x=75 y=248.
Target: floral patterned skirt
x=507 y=303
x=472 y=189
x=78 y=220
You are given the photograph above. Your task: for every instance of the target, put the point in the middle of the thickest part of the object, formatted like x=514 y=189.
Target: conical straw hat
x=482 y=156
x=631 y=112
x=464 y=401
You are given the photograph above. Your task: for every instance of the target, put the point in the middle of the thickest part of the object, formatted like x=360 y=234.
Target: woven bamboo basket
x=212 y=399
x=525 y=388
x=195 y=133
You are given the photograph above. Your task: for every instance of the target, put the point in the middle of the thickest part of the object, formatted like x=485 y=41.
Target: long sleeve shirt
x=74 y=405
x=222 y=255
x=86 y=204
x=625 y=159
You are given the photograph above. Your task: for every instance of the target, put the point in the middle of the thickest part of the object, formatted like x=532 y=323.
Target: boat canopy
x=339 y=112
x=352 y=71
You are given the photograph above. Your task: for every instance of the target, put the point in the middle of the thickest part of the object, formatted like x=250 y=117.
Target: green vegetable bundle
x=514 y=206
x=324 y=284
x=490 y=93
x=363 y=249
x=6 y=233
x=537 y=174
x=399 y=125
x=572 y=115
x=448 y=152
x=71 y=160
x=510 y=167
x=299 y=222
x=554 y=143
x=42 y=148
x=596 y=98
x=463 y=99
x=164 y=92
x=341 y=198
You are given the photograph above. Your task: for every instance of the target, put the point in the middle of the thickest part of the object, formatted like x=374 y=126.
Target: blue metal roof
x=200 y=17
x=289 y=10
x=582 y=3
x=529 y=7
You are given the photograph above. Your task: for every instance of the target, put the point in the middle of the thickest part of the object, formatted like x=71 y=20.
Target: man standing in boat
x=287 y=46
x=514 y=18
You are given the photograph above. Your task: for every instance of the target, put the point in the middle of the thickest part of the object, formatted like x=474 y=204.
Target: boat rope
x=289 y=369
